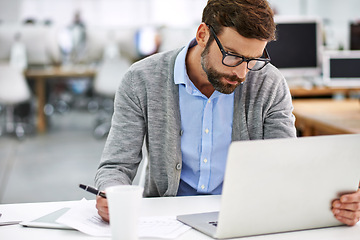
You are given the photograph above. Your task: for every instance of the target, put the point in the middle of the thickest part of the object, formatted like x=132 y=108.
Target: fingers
x=347 y=208
x=347 y=221
x=352 y=216
x=102 y=207
x=350 y=198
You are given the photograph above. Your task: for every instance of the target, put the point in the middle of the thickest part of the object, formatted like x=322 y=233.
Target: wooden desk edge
x=321 y=91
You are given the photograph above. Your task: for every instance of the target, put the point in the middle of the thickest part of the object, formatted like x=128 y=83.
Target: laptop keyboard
x=214 y=223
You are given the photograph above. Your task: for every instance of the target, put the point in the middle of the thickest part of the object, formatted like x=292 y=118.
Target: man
x=189 y=104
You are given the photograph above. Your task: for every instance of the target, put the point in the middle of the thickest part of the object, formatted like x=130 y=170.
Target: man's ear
x=202 y=35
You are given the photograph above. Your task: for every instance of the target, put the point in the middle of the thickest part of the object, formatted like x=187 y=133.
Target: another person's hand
x=347 y=208
x=103 y=208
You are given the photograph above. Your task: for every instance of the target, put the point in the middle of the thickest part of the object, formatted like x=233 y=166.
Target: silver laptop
x=48 y=221
x=282 y=185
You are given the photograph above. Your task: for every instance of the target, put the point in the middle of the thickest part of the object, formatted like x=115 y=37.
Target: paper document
x=166 y=227
x=84 y=217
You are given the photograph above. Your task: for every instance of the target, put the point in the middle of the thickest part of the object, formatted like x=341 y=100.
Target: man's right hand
x=103 y=208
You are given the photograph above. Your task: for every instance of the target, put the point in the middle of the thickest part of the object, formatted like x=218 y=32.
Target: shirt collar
x=180 y=76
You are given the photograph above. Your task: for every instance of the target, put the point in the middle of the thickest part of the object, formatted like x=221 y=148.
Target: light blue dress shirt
x=206 y=125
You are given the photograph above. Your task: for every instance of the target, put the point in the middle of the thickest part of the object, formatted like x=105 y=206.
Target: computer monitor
x=146 y=41
x=297 y=50
x=40 y=43
x=341 y=68
x=355 y=36
x=35 y=39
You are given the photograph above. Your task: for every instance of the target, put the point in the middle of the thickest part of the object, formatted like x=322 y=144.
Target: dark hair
x=250 y=18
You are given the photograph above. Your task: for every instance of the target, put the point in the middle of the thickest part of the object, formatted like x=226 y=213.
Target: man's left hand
x=347 y=208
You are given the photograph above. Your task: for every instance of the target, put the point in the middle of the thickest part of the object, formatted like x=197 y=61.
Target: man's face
x=226 y=79
x=215 y=76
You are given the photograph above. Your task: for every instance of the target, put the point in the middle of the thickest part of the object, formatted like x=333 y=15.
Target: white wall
x=173 y=13
x=9 y=10
x=110 y=13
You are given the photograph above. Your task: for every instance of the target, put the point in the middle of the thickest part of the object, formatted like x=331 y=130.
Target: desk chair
x=105 y=85
x=13 y=91
x=141 y=172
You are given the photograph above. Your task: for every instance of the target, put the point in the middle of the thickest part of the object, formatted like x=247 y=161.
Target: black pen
x=92 y=190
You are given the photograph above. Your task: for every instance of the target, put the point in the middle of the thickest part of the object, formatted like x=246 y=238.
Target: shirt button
x=205 y=160
x=202 y=187
x=209 y=101
x=178 y=166
x=206 y=130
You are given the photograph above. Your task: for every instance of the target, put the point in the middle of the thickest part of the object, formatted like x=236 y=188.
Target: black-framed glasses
x=233 y=60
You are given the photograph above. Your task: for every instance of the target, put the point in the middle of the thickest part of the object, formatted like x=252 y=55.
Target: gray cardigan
x=147 y=105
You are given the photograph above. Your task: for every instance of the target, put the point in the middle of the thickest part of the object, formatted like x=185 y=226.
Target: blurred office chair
x=105 y=85
x=18 y=57
x=13 y=91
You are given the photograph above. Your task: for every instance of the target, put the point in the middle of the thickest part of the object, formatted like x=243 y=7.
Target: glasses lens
x=230 y=60
x=256 y=65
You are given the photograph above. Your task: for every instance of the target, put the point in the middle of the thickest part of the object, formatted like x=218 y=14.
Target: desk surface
x=151 y=207
x=327 y=116
x=322 y=91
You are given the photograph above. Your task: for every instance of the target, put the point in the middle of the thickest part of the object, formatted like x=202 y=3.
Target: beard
x=215 y=77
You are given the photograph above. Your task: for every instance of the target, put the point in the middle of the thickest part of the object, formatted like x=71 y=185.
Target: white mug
x=124 y=208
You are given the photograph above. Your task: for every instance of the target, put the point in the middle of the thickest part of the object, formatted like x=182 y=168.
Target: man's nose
x=241 y=70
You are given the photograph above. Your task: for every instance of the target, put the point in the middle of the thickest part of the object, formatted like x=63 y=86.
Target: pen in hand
x=92 y=190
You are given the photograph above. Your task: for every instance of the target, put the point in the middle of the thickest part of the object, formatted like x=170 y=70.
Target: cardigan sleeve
x=123 y=149
x=279 y=121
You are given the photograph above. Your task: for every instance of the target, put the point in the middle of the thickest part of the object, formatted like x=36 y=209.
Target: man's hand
x=347 y=208
x=103 y=208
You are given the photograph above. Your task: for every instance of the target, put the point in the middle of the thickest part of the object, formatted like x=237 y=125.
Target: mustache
x=233 y=78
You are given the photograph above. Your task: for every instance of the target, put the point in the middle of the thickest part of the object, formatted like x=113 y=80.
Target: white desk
x=151 y=207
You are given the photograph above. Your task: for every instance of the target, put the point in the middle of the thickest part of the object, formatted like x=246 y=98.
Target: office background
x=175 y=13
x=49 y=166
